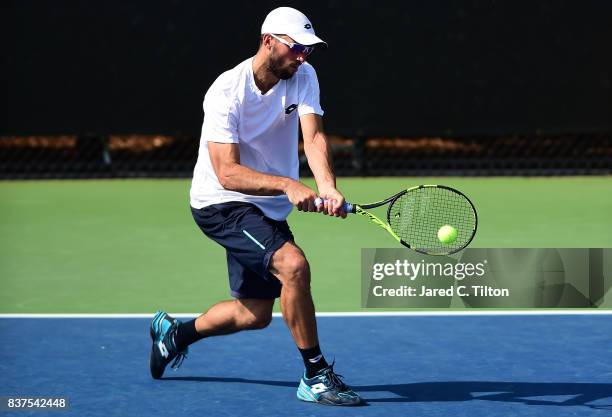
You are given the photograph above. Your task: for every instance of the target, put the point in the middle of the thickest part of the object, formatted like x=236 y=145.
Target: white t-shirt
x=265 y=127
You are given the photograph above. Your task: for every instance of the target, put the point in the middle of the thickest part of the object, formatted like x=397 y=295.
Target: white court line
x=574 y=312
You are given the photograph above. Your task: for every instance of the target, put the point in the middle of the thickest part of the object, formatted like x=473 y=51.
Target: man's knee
x=260 y=322
x=297 y=266
x=256 y=314
x=292 y=268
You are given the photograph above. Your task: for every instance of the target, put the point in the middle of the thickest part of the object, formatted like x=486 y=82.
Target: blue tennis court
x=418 y=366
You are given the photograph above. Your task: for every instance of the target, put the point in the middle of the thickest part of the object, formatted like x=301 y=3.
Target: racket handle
x=347 y=207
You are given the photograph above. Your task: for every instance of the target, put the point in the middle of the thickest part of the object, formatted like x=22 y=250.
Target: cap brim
x=308 y=39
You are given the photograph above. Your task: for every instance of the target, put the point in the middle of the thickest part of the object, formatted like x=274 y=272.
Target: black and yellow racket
x=430 y=219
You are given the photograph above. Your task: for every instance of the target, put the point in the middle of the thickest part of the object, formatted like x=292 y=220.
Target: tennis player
x=245 y=184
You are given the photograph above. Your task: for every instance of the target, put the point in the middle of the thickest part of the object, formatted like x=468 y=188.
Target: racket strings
x=417 y=216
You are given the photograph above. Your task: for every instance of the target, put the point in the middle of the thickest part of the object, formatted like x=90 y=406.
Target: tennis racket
x=415 y=215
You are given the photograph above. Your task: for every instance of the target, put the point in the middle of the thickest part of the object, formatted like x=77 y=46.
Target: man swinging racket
x=244 y=185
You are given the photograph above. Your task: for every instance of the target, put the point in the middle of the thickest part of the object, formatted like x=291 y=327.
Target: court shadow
x=292 y=384
x=530 y=393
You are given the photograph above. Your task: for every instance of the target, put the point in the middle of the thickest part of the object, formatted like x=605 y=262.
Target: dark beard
x=274 y=66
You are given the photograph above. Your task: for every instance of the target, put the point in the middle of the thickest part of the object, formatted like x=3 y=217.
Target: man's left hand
x=333 y=202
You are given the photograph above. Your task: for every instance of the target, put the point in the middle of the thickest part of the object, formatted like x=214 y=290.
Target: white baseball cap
x=291 y=22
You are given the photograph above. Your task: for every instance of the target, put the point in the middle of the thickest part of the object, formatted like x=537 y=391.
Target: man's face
x=283 y=62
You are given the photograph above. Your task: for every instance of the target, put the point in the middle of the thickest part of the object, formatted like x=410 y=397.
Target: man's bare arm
x=318 y=153
x=317 y=150
x=225 y=159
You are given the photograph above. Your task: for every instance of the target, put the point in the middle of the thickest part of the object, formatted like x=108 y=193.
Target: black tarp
x=393 y=68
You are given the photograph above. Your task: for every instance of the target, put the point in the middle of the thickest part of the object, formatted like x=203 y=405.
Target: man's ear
x=266 y=40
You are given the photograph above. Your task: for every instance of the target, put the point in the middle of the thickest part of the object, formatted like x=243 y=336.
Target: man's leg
x=250 y=240
x=171 y=338
x=320 y=384
x=290 y=266
x=232 y=316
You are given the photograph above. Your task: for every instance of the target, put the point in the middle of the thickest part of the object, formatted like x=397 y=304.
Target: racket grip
x=347 y=207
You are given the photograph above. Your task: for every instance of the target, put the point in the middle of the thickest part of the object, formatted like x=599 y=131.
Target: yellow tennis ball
x=447 y=234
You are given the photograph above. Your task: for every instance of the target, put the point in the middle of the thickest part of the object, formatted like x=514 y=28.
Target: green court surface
x=131 y=246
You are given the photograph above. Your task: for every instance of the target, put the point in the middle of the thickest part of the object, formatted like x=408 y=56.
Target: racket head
x=417 y=214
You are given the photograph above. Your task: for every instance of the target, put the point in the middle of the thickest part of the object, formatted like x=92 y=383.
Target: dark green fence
x=508 y=87
x=175 y=156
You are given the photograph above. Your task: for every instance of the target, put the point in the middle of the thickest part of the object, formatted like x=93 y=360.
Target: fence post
x=359 y=163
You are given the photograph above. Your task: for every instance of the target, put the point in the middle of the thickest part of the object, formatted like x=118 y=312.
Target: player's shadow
x=531 y=393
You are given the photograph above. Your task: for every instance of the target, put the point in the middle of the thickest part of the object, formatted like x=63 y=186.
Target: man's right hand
x=301 y=196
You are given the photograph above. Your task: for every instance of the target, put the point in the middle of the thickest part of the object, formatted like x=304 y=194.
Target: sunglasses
x=298 y=48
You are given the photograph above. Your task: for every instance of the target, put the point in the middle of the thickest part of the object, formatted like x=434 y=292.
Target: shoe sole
x=330 y=404
x=307 y=397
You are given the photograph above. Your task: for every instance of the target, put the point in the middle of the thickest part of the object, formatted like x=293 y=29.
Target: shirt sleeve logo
x=290 y=108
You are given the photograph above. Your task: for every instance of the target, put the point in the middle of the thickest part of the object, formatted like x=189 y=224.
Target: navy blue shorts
x=250 y=239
